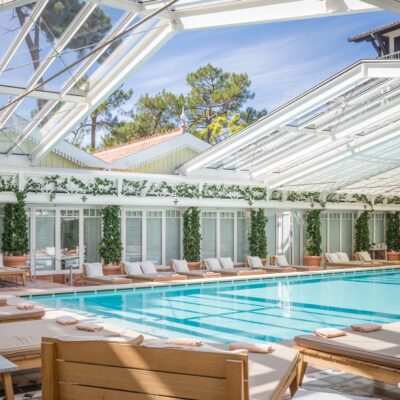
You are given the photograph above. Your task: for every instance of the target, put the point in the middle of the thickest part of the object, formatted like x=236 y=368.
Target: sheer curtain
x=45 y=239
x=242 y=241
x=133 y=236
x=154 y=236
x=172 y=235
x=209 y=234
x=226 y=238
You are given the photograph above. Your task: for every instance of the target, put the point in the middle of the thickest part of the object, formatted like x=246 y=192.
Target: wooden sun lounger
x=158 y=277
x=11 y=313
x=94 y=370
x=195 y=273
x=104 y=279
x=20 y=342
x=13 y=273
x=299 y=268
x=374 y=355
x=383 y=262
x=350 y=264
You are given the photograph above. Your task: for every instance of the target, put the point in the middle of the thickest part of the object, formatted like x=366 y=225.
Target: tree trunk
x=93 y=119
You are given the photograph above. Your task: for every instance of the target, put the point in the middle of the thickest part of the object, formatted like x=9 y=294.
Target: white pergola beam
x=261 y=11
x=42 y=94
x=28 y=25
x=7 y=4
x=132 y=59
x=390 y=5
x=59 y=45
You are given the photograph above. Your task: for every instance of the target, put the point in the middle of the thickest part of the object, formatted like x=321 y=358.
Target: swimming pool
x=260 y=310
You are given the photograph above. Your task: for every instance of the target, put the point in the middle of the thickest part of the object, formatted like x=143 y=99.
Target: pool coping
x=152 y=285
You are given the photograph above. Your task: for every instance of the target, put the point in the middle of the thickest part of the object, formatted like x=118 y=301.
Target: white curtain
x=133 y=246
x=92 y=238
x=209 y=237
x=226 y=237
x=172 y=239
x=154 y=235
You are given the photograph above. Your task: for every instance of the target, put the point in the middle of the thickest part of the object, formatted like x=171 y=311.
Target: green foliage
x=362 y=198
x=191 y=234
x=258 y=237
x=362 y=232
x=110 y=245
x=153 y=114
x=313 y=197
x=313 y=233
x=215 y=101
x=15 y=234
x=393 y=231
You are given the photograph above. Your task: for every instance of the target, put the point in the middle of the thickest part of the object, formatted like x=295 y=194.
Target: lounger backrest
x=133 y=268
x=94 y=370
x=93 y=269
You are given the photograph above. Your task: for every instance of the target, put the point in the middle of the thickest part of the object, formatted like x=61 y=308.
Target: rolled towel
x=66 y=320
x=365 y=328
x=265 y=348
x=329 y=333
x=89 y=327
x=185 y=342
x=25 y=306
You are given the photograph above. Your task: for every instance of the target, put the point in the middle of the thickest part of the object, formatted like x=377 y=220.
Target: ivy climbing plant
x=257 y=236
x=15 y=241
x=393 y=231
x=191 y=234
x=313 y=233
x=362 y=232
x=110 y=245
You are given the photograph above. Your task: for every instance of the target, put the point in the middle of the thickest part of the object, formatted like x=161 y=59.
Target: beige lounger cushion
x=24 y=338
x=108 y=279
x=268 y=372
x=226 y=263
x=180 y=266
x=94 y=270
x=364 y=256
x=133 y=268
x=281 y=261
x=254 y=262
x=343 y=257
x=10 y=313
x=148 y=267
x=212 y=264
x=332 y=258
x=160 y=276
x=380 y=347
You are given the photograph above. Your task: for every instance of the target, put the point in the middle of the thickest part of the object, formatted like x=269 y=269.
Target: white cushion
x=364 y=256
x=332 y=258
x=212 y=264
x=1 y=261
x=254 y=262
x=51 y=251
x=94 y=269
x=180 y=266
x=343 y=257
x=133 y=268
x=226 y=263
x=148 y=267
x=281 y=261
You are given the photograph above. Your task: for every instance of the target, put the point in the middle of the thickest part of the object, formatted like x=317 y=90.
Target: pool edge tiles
x=31 y=293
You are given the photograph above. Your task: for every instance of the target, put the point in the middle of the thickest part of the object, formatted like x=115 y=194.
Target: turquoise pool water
x=261 y=310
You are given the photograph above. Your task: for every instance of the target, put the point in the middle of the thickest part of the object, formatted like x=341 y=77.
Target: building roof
x=121 y=151
x=381 y=30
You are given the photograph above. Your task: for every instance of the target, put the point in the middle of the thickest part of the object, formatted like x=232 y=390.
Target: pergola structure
x=65 y=101
x=341 y=136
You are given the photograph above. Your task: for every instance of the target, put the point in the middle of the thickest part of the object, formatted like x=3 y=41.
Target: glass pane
x=45 y=243
x=242 y=238
x=334 y=232
x=286 y=236
x=69 y=242
x=133 y=244
x=92 y=238
x=347 y=239
x=324 y=225
x=226 y=237
x=296 y=238
x=154 y=239
x=379 y=229
x=209 y=237
x=172 y=239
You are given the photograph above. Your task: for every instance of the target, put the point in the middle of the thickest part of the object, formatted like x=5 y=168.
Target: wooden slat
x=77 y=392
x=159 y=359
x=235 y=383
x=150 y=382
x=49 y=373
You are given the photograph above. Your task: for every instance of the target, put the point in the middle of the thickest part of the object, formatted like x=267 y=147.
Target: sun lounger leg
x=8 y=387
x=301 y=371
x=294 y=386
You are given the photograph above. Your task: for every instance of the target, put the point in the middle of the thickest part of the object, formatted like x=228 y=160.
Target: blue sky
x=282 y=59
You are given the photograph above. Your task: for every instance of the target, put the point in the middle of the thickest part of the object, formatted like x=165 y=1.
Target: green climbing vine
x=110 y=245
x=393 y=231
x=257 y=237
x=313 y=233
x=362 y=232
x=191 y=234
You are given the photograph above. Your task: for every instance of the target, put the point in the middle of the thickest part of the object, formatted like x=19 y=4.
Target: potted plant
x=110 y=245
x=313 y=239
x=362 y=232
x=191 y=237
x=393 y=236
x=15 y=245
x=257 y=236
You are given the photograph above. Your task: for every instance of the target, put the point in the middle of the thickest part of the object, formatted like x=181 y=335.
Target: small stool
x=27 y=269
x=6 y=367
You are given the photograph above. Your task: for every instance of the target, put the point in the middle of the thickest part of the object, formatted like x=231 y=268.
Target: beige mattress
x=107 y=279
x=24 y=338
x=159 y=276
x=381 y=347
x=9 y=313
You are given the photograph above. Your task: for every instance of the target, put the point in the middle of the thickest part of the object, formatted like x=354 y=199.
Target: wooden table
x=6 y=367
